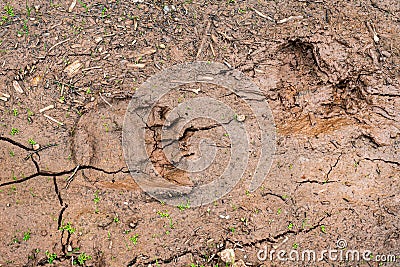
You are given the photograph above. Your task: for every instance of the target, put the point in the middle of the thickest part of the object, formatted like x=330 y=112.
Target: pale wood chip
x=73 y=68
x=17 y=87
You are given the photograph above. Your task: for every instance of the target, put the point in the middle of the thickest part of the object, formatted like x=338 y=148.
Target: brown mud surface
x=330 y=72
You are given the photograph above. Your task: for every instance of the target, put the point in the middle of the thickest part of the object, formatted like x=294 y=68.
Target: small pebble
x=228 y=255
x=224 y=216
x=241 y=118
x=69 y=248
x=386 y=54
x=36 y=146
x=166 y=9
x=162 y=46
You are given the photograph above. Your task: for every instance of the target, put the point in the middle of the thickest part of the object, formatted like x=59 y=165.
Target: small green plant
x=82 y=258
x=184 y=206
x=106 y=127
x=134 y=239
x=27 y=235
x=232 y=229
x=356 y=163
x=68 y=227
x=30 y=114
x=164 y=214
x=295 y=246
x=84 y=6
x=28 y=9
x=4 y=19
x=103 y=13
x=279 y=211
x=14 y=131
x=15 y=240
x=15 y=112
x=50 y=257
x=171 y=224
x=290 y=226
x=88 y=91
x=323 y=229
x=10 y=10
x=96 y=198
x=32 y=142
x=116 y=219
x=12 y=154
x=25 y=27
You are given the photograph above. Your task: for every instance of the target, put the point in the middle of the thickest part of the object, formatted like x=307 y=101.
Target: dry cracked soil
x=329 y=71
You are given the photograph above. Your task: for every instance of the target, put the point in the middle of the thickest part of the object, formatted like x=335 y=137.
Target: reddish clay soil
x=328 y=69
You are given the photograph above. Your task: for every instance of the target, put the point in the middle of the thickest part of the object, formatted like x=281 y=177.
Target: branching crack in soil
x=275 y=195
x=51 y=174
x=2 y=138
x=272 y=240
x=154 y=125
x=384 y=160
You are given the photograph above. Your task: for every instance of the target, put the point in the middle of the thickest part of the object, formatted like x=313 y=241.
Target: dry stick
x=66 y=40
x=54 y=120
x=203 y=40
x=212 y=49
x=105 y=100
x=92 y=68
x=71 y=178
x=262 y=15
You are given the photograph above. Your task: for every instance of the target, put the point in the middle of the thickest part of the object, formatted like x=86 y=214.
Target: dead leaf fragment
x=71 y=7
x=227 y=255
x=140 y=66
x=289 y=19
x=17 y=87
x=36 y=80
x=73 y=68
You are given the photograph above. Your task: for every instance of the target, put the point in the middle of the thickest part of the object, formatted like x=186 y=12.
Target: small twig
x=371 y=29
x=54 y=26
x=46 y=108
x=289 y=19
x=92 y=68
x=71 y=178
x=212 y=49
x=38 y=150
x=262 y=15
x=66 y=40
x=53 y=120
x=105 y=100
x=203 y=40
